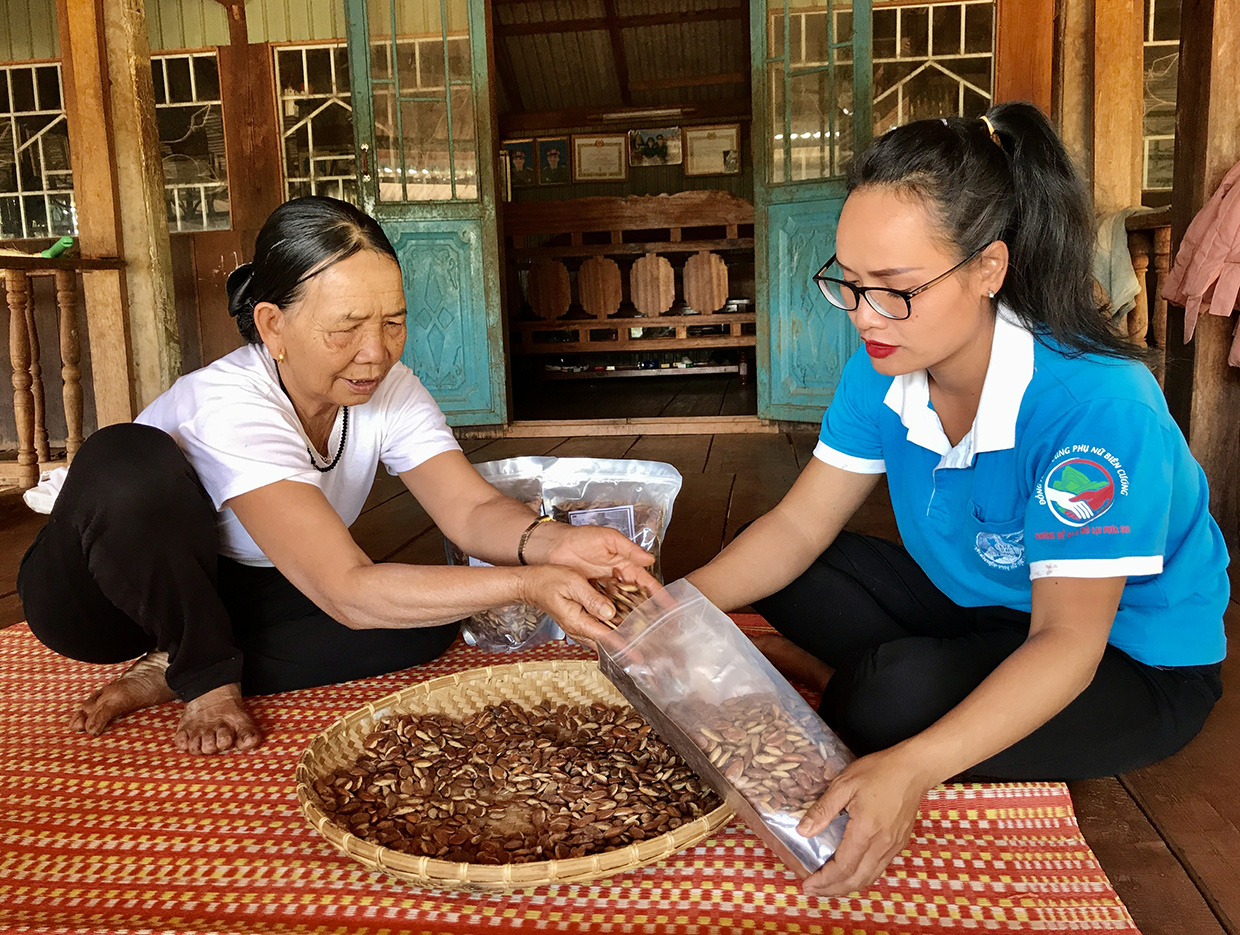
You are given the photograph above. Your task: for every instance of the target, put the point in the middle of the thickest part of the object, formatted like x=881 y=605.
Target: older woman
x=211 y=537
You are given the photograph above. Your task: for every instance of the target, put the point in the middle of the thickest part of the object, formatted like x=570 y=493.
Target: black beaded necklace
x=344 y=432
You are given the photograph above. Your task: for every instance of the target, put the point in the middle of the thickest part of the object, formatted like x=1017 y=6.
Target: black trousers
x=128 y=563
x=905 y=655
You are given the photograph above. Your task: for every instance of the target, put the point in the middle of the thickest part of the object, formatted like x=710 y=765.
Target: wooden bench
x=643 y=273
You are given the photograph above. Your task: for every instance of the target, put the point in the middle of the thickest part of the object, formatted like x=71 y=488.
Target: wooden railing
x=29 y=405
x=633 y=274
x=1149 y=242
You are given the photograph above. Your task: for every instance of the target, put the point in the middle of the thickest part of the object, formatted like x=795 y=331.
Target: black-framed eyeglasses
x=890 y=303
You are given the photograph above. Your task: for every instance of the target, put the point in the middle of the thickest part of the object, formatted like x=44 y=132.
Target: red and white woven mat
x=122 y=834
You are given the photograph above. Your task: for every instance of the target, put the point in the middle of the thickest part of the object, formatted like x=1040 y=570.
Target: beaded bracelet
x=525 y=536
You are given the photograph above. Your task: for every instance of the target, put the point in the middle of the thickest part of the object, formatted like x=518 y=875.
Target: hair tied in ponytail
x=994 y=134
x=238 y=289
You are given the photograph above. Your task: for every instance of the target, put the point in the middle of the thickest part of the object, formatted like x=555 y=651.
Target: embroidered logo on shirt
x=1003 y=550
x=1078 y=490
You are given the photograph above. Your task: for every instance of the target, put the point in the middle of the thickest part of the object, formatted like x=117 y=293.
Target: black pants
x=128 y=563
x=905 y=655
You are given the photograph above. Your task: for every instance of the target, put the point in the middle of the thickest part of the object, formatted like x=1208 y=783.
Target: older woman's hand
x=569 y=598
x=594 y=551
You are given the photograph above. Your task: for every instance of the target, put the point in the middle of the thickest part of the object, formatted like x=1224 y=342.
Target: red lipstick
x=875 y=349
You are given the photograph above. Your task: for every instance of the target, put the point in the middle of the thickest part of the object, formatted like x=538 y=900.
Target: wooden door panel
x=447 y=344
x=810 y=339
x=811 y=112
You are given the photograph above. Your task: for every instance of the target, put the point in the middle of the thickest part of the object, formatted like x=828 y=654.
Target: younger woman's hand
x=570 y=600
x=881 y=796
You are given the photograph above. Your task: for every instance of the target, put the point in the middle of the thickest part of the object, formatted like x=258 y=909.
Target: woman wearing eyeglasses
x=1054 y=610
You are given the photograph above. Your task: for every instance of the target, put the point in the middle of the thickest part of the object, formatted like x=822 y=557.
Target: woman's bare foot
x=215 y=722
x=139 y=686
x=796 y=664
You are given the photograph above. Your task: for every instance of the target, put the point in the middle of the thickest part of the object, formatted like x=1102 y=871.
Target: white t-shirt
x=239 y=431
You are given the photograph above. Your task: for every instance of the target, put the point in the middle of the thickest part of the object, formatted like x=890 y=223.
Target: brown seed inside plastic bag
x=767 y=757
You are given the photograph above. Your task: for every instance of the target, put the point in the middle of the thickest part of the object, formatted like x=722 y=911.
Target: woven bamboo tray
x=461 y=695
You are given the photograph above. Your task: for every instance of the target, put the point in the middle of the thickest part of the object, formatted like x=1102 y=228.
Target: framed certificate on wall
x=713 y=150
x=602 y=158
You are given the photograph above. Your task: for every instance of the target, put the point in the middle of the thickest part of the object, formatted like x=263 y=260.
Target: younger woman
x=1055 y=609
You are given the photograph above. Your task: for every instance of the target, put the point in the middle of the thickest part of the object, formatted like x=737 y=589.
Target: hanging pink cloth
x=1206 y=275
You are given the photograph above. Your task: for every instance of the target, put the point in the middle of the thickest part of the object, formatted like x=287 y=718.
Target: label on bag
x=619 y=518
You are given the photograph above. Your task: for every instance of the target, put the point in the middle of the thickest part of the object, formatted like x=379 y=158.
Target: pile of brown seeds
x=768 y=758
x=512 y=784
x=626 y=597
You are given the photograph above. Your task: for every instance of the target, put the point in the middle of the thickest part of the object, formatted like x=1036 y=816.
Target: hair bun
x=238 y=289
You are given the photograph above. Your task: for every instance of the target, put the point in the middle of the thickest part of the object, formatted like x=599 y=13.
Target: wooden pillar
x=153 y=329
x=1202 y=390
x=118 y=188
x=84 y=69
x=1024 y=48
x=1073 y=107
x=1119 y=95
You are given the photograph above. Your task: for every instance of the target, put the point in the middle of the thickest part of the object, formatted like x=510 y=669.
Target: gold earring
x=280 y=358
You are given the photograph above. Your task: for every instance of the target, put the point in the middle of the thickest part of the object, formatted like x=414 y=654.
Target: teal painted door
x=424 y=126
x=812 y=105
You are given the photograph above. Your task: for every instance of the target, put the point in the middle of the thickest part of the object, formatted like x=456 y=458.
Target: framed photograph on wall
x=659 y=147
x=522 y=171
x=603 y=158
x=553 y=161
x=713 y=150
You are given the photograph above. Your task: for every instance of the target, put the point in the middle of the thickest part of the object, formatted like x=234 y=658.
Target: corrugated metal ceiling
x=560 y=68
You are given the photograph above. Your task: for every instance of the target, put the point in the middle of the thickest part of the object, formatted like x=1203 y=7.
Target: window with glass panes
x=36 y=180
x=930 y=60
x=191 y=140
x=424 y=103
x=1162 y=63
x=316 y=121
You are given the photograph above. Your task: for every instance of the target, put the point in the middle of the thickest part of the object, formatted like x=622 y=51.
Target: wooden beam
x=617 y=52
x=1202 y=390
x=238 y=29
x=1119 y=100
x=84 y=69
x=691 y=81
x=600 y=23
x=251 y=134
x=1024 y=51
x=734 y=109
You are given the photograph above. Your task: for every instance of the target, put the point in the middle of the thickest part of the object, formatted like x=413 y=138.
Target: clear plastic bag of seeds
x=516 y=626
x=708 y=691
x=632 y=496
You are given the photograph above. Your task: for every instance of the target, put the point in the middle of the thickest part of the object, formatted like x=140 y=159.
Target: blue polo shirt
x=1073 y=468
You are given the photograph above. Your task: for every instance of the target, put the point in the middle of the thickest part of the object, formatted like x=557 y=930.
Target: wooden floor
x=668 y=395
x=1168 y=836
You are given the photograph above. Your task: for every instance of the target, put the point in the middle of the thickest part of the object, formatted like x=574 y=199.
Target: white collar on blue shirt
x=994 y=427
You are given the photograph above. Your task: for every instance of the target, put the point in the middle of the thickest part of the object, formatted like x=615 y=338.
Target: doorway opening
x=626 y=215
